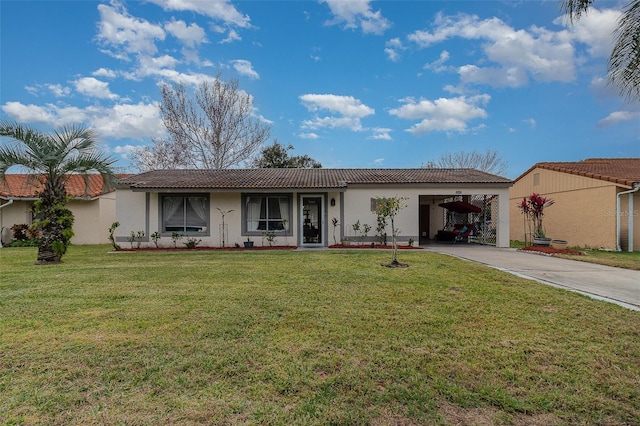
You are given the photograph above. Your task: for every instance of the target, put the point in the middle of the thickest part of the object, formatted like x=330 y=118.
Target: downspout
x=1 y=227
x=636 y=187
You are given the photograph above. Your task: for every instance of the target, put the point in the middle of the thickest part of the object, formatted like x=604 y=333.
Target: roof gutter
x=636 y=187
x=1 y=227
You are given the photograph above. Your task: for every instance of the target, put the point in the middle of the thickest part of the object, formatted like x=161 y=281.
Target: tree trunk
x=50 y=209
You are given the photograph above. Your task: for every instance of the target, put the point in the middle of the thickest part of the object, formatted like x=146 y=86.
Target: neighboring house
x=298 y=205
x=94 y=211
x=597 y=202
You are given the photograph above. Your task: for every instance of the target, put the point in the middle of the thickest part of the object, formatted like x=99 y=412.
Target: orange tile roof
x=625 y=171
x=16 y=185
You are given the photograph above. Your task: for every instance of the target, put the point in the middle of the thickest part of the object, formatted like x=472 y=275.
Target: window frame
x=244 y=213
x=184 y=197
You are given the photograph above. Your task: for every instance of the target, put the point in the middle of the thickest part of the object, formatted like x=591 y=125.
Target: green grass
x=313 y=337
x=621 y=259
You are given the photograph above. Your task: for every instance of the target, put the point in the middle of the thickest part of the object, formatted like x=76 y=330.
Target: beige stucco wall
x=16 y=213
x=358 y=207
x=92 y=218
x=133 y=209
x=584 y=213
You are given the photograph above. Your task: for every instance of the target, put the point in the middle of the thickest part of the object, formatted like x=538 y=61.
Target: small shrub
x=270 y=236
x=192 y=243
x=175 y=237
x=112 y=238
x=20 y=232
x=155 y=237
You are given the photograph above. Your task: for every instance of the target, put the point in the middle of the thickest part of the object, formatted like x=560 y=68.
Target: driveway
x=616 y=285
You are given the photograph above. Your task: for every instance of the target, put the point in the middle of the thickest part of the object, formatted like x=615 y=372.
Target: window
x=267 y=213
x=185 y=214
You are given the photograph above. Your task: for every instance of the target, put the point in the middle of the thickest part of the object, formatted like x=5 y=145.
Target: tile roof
x=16 y=185
x=254 y=179
x=625 y=171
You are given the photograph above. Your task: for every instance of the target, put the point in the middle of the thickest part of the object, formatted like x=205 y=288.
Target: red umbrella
x=460 y=207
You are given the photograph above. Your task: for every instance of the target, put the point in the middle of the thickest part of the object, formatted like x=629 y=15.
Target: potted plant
x=533 y=208
x=248 y=243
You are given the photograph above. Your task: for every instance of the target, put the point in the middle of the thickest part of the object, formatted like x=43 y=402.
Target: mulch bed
x=550 y=250
x=203 y=248
x=369 y=246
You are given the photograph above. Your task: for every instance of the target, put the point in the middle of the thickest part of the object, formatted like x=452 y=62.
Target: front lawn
x=310 y=337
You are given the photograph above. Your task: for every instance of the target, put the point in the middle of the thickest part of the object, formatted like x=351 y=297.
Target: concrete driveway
x=616 y=285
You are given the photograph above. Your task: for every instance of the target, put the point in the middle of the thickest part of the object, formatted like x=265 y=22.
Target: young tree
x=214 y=129
x=52 y=157
x=277 y=156
x=390 y=207
x=624 y=62
x=489 y=161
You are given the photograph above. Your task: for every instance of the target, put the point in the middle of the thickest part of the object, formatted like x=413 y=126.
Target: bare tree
x=215 y=129
x=489 y=161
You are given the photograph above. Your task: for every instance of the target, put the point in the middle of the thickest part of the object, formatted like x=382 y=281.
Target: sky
x=351 y=83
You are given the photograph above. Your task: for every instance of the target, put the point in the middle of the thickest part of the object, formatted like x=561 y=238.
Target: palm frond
x=624 y=63
x=576 y=8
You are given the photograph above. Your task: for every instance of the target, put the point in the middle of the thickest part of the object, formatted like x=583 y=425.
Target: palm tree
x=52 y=157
x=624 y=62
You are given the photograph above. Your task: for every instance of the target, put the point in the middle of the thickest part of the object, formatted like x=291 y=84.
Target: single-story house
x=597 y=202
x=94 y=211
x=298 y=206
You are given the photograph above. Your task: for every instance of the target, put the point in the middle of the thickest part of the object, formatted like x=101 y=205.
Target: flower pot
x=248 y=244
x=540 y=241
x=346 y=242
x=559 y=244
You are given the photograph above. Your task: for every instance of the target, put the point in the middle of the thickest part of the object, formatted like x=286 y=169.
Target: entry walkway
x=616 y=285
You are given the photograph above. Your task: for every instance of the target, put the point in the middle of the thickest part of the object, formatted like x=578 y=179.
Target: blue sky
x=352 y=83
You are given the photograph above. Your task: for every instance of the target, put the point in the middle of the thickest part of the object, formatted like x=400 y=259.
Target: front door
x=311 y=218
x=424 y=223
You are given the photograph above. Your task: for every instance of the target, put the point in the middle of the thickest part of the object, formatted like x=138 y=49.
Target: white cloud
x=378 y=162
x=233 y=36
x=125 y=150
x=438 y=64
x=518 y=55
x=310 y=135
x=349 y=111
x=393 y=48
x=381 y=133
x=531 y=122
x=357 y=13
x=28 y=113
x=127 y=34
x=221 y=10
x=137 y=121
x=444 y=114
x=244 y=67
x=103 y=72
x=617 y=117
x=496 y=77
x=58 y=90
x=127 y=121
x=189 y=35
x=595 y=29
x=95 y=88
x=345 y=105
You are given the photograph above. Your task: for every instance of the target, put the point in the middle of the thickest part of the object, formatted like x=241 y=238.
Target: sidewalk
x=615 y=285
